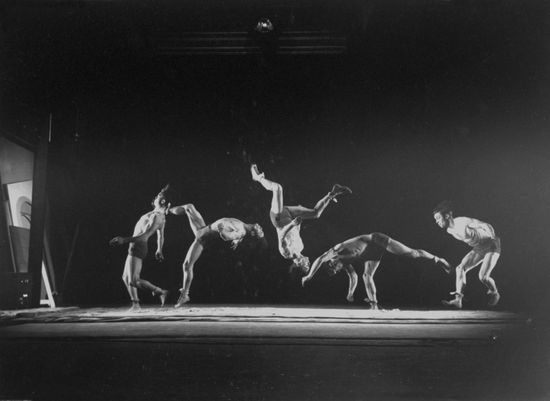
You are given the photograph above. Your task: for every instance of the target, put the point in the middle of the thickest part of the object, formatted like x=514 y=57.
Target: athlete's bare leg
x=352 y=275
x=193 y=254
x=307 y=213
x=487 y=266
x=196 y=221
x=471 y=260
x=133 y=281
x=277 y=189
x=397 y=248
x=319 y=208
x=370 y=287
x=147 y=285
x=132 y=265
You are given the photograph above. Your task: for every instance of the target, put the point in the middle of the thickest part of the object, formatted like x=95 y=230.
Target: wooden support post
x=38 y=213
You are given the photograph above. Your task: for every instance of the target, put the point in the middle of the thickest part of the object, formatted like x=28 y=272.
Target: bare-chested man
x=146 y=226
x=287 y=220
x=485 y=251
x=367 y=249
x=229 y=229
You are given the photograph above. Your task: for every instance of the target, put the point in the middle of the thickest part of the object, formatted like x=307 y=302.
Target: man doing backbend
x=485 y=250
x=229 y=229
x=367 y=249
x=287 y=220
x=147 y=225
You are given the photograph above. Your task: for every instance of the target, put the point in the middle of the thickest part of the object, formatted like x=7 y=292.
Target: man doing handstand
x=367 y=249
x=287 y=220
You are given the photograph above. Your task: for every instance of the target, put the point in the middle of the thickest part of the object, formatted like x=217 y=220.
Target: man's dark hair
x=444 y=207
x=165 y=193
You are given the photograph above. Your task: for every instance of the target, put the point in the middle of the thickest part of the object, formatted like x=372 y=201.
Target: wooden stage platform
x=271 y=353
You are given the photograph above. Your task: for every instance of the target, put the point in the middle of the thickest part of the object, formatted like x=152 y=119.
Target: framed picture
x=20 y=201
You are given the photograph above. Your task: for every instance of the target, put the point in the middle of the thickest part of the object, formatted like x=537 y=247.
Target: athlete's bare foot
x=494 y=297
x=136 y=307
x=256 y=175
x=163 y=295
x=443 y=264
x=338 y=189
x=350 y=298
x=455 y=303
x=183 y=299
x=371 y=305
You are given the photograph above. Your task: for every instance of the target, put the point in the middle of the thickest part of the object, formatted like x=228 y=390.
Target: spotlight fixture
x=264 y=25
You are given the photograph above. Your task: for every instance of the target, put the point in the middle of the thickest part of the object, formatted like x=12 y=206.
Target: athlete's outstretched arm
x=146 y=233
x=160 y=243
x=316 y=265
x=177 y=210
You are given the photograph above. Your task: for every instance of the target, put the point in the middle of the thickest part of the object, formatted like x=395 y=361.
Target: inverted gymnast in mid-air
x=485 y=250
x=229 y=229
x=366 y=249
x=287 y=220
x=147 y=225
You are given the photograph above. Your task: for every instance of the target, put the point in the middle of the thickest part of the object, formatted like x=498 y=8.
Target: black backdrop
x=432 y=101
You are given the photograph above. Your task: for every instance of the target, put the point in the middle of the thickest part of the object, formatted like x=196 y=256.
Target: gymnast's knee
x=276 y=187
x=368 y=275
x=415 y=253
x=135 y=282
x=484 y=277
x=189 y=208
x=316 y=213
x=187 y=266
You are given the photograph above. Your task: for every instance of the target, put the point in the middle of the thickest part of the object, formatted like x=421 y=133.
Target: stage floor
x=263 y=323
x=219 y=352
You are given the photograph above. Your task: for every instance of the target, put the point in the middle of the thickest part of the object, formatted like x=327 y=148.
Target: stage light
x=264 y=25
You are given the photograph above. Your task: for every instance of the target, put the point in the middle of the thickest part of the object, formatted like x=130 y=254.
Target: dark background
x=433 y=100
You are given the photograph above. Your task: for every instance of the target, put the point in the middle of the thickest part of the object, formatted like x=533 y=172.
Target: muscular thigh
x=371 y=266
x=196 y=220
x=277 y=204
x=280 y=220
x=132 y=267
x=471 y=260
x=301 y=211
x=194 y=252
x=489 y=262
